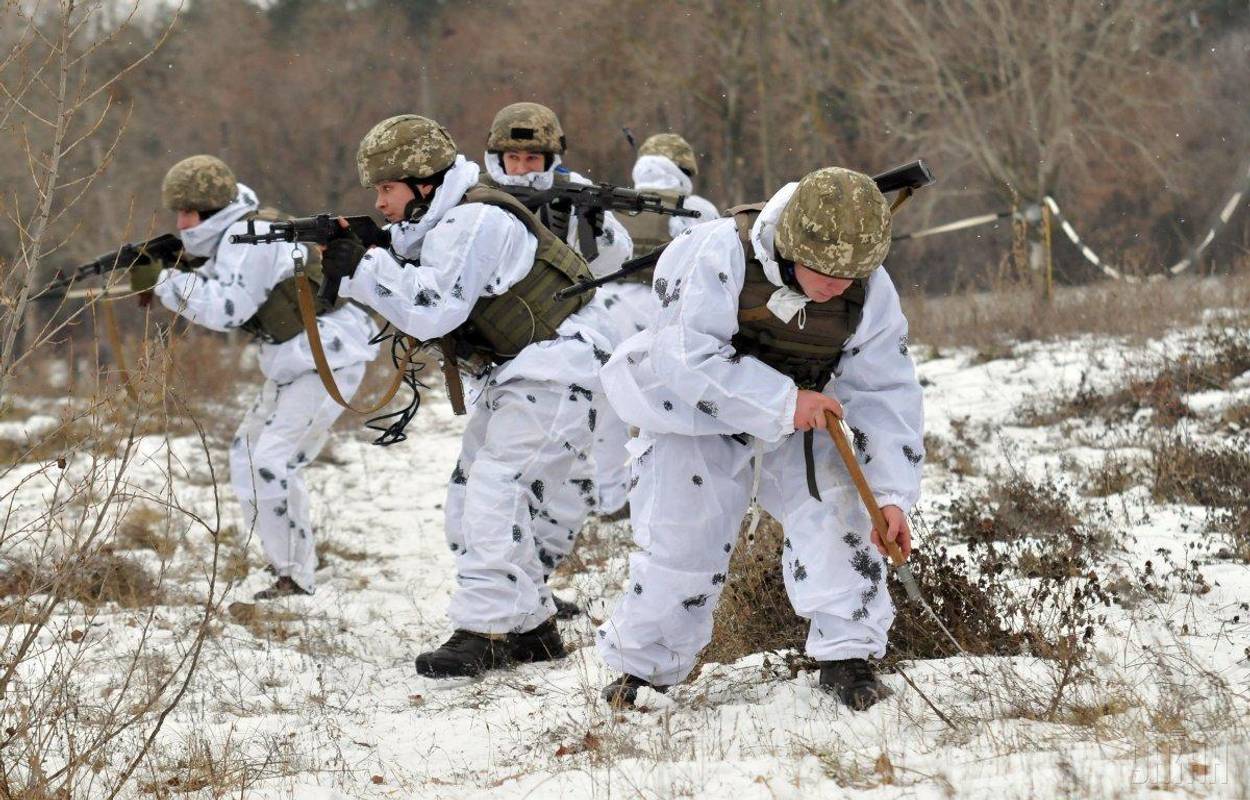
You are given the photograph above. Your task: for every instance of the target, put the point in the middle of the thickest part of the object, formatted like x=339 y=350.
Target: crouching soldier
x=470 y=262
x=767 y=320
x=251 y=288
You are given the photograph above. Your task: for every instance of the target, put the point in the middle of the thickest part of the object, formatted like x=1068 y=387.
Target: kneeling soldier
x=470 y=262
x=252 y=288
x=768 y=319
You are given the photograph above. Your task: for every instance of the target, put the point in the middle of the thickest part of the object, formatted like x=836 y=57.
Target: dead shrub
x=755 y=614
x=1030 y=526
x=92 y=579
x=1115 y=475
x=1214 y=360
x=1215 y=475
x=147 y=528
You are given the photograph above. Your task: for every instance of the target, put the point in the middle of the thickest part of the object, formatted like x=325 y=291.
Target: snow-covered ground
x=322 y=701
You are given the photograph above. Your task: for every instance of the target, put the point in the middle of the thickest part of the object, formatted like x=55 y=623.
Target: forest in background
x=1132 y=114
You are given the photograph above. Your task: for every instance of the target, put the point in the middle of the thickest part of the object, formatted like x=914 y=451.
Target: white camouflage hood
x=785 y=302
x=407 y=236
x=202 y=240
x=659 y=173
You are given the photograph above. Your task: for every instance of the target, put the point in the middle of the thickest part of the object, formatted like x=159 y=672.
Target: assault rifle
x=591 y=199
x=904 y=180
x=318 y=229
x=164 y=248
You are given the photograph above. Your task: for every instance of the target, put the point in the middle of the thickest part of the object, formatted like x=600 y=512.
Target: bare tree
x=1021 y=91
x=55 y=103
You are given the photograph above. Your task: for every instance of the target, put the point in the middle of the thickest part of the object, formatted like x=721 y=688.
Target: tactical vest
x=501 y=327
x=278 y=320
x=808 y=354
x=649 y=232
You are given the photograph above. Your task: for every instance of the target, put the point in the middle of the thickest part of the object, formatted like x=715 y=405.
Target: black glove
x=341 y=257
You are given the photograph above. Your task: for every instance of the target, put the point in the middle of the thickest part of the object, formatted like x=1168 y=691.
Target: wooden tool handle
x=834 y=426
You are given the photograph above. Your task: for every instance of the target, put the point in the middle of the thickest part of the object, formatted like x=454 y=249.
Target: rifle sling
x=308 y=315
x=115 y=342
x=809 y=459
x=451 y=374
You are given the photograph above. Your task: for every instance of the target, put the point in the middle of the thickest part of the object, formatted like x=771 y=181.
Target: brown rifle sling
x=115 y=342
x=308 y=314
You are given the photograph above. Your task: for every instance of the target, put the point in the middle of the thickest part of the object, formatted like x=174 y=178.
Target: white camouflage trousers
x=632 y=307
x=517 y=500
x=686 y=508
x=281 y=434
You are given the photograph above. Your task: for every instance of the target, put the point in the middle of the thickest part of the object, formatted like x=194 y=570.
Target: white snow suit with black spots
x=633 y=307
x=516 y=500
x=609 y=472
x=682 y=383
x=291 y=419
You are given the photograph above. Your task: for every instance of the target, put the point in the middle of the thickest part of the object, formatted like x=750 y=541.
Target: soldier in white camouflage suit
x=768 y=319
x=246 y=287
x=471 y=262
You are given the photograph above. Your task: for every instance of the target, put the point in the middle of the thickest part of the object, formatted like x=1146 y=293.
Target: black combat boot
x=282 y=587
x=465 y=654
x=622 y=692
x=854 y=681
x=541 y=644
x=566 y=609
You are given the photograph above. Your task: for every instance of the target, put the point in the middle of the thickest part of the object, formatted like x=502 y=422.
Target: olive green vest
x=649 y=233
x=501 y=327
x=808 y=354
x=278 y=320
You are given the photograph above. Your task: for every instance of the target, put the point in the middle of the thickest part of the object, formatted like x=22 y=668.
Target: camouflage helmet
x=672 y=147
x=529 y=127
x=837 y=222
x=406 y=146
x=199 y=183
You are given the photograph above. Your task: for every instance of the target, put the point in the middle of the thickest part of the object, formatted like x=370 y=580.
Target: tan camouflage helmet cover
x=406 y=146
x=199 y=183
x=528 y=127
x=672 y=147
x=837 y=222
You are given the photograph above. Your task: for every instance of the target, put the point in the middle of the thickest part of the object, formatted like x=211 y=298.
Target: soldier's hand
x=899 y=531
x=809 y=411
x=144 y=276
x=341 y=257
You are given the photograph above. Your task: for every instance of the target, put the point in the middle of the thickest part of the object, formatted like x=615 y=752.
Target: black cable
x=391 y=425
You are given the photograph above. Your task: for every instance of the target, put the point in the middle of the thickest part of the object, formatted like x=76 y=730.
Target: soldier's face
x=393 y=198
x=188 y=219
x=523 y=162
x=819 y=287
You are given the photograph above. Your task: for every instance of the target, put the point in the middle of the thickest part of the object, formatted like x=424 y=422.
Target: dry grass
x=1213 y=475
x=1217 y=358
x=147 y=528
x=989 y=321
x=91 y=578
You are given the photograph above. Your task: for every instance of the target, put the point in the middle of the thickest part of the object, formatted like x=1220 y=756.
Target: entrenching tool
x=837 y=432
